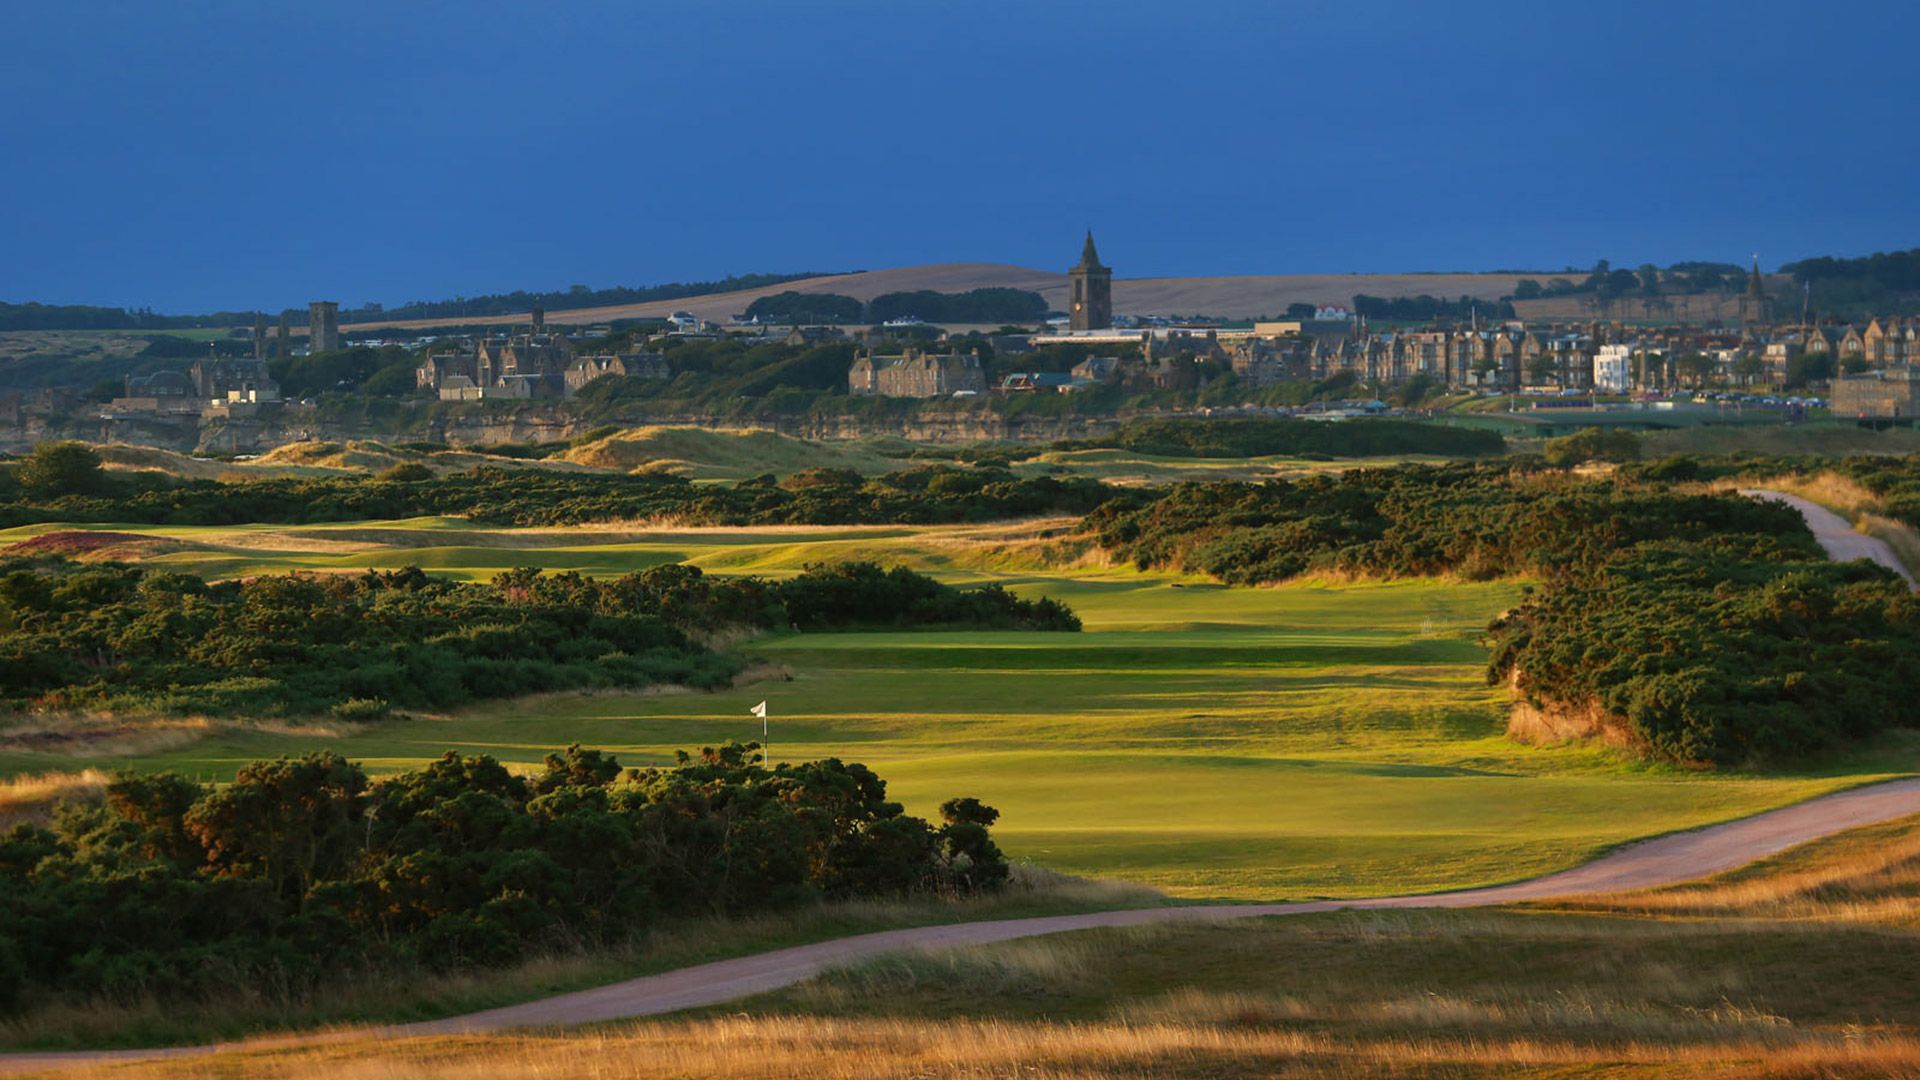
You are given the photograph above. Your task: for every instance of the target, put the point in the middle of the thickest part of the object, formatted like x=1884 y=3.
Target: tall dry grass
x=739 y=1048
x=33 y=797
x=1869 y=875
x=1898 y=535
x=1841 y=494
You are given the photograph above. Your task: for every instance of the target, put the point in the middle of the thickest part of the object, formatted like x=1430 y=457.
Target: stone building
x=323 y=326
x=1095 y=369
x=585 y=369
x=917 y=374
x=529 y=365
x=160 y=392
x=1091 y=285
x=1893 y=394
x=218 y=378
x=814 y=335
x=1887 y=343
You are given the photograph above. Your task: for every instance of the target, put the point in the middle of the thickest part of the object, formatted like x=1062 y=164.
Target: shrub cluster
x=1710 y=626
x=1478 y=521
x=1725 y=651
x=1254 y=437
x=304 y=869
x=532 y=497
x=143 y=639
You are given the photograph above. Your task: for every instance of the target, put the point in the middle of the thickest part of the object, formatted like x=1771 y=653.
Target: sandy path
x=1664 y=860
x=1836 y=534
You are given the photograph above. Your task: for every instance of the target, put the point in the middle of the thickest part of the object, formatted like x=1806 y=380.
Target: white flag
x=759 y=710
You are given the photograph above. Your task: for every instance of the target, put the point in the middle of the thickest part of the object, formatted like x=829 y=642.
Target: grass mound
x=87 y=546
x=723 y=455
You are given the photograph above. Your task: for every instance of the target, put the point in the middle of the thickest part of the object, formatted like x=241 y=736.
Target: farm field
x=1312 y=740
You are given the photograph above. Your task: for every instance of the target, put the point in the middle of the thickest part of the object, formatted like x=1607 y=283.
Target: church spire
x=1089 y=257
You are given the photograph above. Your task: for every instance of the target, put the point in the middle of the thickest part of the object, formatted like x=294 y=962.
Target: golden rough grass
x=1898 y=535
x=30 y=797
x=738 y=1048
x=1841 y=494
x=1870 y=875
x=104 y=735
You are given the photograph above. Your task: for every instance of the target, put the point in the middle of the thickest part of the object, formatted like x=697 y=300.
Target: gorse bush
x=303 y=869
x=126 y=637
x=1478 y=521
x=529 y=497
x=1738 y=649
x=1710 y=627
x=1254 y=437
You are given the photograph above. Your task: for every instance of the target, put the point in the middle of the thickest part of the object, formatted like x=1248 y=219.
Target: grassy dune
x=1134 y=467
x=1313 y=740
x=709 y=454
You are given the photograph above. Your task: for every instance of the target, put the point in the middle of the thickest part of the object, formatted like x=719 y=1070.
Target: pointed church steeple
x=1089 y=257
x=1091 y=286
x=1755 y=306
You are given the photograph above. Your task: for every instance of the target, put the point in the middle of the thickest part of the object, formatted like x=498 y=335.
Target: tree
x=61 y=468
x=973 y=858
x=1697 y=367
x=1593 y=444
x=1809 y=368
x=1526 y=289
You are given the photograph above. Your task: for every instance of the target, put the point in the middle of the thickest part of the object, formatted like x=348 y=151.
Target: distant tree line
x=305 y=870
x=1884 y=283
x=1425 y=309
x=994 y=305
x=573 y=297
x=1608 y=283
x=37 y=316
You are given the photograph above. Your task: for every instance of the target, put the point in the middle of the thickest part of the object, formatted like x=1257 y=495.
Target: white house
x=1613 y=368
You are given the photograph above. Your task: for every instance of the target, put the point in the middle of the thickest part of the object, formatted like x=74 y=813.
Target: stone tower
x=1092 y=288
x=259 y=335
x=539 y=318
x=1753 y=303
x=283 y=339
x=323 y=326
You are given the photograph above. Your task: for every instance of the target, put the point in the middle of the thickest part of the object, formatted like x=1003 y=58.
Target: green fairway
x=1333 y=740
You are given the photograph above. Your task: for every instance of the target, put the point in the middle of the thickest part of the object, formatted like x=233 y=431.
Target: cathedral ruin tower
x=1092 y=287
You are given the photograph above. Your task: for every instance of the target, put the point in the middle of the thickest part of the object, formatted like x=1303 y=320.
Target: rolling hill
x=1228 y=296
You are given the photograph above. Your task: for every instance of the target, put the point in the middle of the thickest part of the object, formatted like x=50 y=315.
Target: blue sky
x=190 y=155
